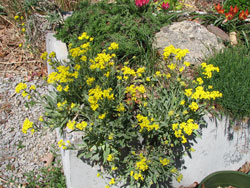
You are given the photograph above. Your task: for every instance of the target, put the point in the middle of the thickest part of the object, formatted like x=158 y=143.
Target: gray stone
x=218 y=32
x=188 y=35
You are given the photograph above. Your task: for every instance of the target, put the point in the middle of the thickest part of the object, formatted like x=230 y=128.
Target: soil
x=16 y=60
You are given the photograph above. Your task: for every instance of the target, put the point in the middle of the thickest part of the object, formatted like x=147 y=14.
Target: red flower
x=229 y=15
x=236 y=9
x=140 y=3
x=243 y=15
x=165 y=6
x=219 y=9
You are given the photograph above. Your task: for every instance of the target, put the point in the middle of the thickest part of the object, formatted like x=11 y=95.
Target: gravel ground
x=20 y=153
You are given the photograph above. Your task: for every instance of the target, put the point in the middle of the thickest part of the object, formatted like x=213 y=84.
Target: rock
x=188 y=35
x=218 y=32
x=233 y=38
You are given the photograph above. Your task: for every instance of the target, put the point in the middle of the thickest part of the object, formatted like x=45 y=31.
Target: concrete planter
x=214 y=151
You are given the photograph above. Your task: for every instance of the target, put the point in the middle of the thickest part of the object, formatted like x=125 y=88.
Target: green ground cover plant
x=242 y=4
x=132 y=27
x=52 y=177
x=232 y=80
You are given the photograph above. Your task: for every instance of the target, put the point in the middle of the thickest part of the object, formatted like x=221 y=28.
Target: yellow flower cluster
x=72 y=125
x=102 y=116
x=164 y=161
x=201 y=94
x=127 y=71
x=63 y=75
x=110 y=157
x=194 y=106
x=21 y=86
x=90 y=80
x=145 y=123
x=81 y=125
x=97 y=94
x=63 y=145
x=120 y=108
x=132 y=90
x=60 y=105
x=142 y=165
x=113 y=46
x=27 y=124
x=102 y=60
x=184 y=127
x=44 y=56
x=171 y=50
x=208 y=69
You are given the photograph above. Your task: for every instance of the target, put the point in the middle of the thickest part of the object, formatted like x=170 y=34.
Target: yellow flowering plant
x=136 y=124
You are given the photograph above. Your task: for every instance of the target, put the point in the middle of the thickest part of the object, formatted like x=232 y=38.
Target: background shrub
x=132 y=28
x=232 y=80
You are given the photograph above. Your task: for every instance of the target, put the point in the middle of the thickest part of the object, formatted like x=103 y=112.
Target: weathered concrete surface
x=188 y=35
x=218 y=149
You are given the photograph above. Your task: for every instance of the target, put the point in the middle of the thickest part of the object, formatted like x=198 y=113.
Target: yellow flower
x=172 y=66
x=21 y=86
x=158 y=73
x=186 y=63
x=71 y=124
x=77 y=67
x=120 y=108
x=32 y=87
x=27 y=124
x=164 y=161
x=193 y=106
x=179 y=178
x=188 y=92
x=23 y=29
x=148 y=79
x=168 y=75
x=90 y=80
x=110 y=158
x=111 y=136
x=81 y=125
x=98 y=174
x=170 y=113
x=173 y=170
x=113 y=46
x=181 y=69
x=112 y=181
x=44 y=56
x=16 y=17
x=107 y=186
x=131 y=173
x=66 y=89
x=52 y=54
x=72 y=105
x=114 y=168
x=41 y=118
x=102 y=116
x=59 y=88
x=200 y=81
x=182 y=102
x=20 y=45
x=24 y=93
x=185 y=112
x=107 y=74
